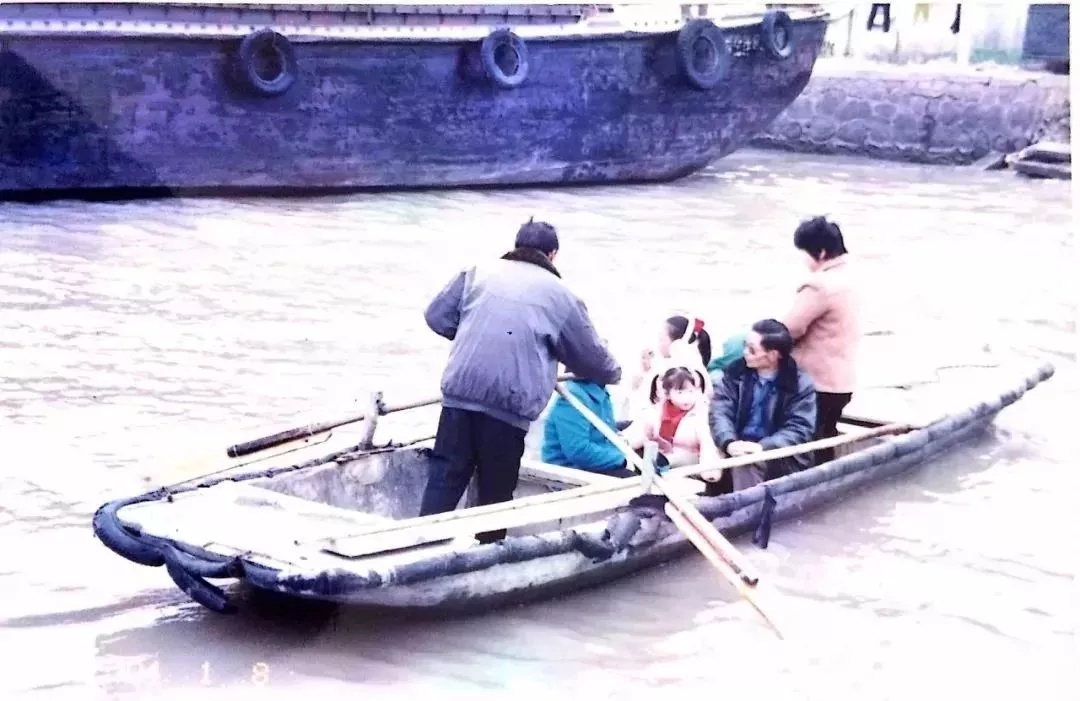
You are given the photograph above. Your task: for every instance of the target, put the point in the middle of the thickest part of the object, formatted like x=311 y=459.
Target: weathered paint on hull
x=122 y=112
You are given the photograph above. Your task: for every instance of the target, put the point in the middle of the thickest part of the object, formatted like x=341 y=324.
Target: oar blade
x=751 y=593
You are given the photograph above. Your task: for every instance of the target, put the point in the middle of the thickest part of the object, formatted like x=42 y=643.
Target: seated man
x=571 y=441
x=764 y=401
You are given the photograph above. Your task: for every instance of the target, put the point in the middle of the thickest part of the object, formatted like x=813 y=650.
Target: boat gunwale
x=433 y=34
x=750 y=509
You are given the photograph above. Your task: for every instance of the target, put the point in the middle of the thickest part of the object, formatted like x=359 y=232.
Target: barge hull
x=103 y=112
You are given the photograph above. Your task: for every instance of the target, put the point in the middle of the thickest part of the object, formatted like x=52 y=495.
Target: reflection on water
x=136 y=334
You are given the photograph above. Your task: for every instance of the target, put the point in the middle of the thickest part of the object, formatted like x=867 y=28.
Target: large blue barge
x=195 y=97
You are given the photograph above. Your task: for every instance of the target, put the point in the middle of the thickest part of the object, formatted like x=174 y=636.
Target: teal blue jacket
x=732 y=351
x=571 y=441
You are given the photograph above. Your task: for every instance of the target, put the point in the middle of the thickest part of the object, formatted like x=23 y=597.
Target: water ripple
x=137 y=334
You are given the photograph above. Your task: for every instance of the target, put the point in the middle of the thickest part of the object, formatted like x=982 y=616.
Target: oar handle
x=255 y=445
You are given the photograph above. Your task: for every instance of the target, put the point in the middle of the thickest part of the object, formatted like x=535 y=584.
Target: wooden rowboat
x=341 y=527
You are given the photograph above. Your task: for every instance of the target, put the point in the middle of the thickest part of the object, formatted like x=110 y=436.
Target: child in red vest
x=679 y=422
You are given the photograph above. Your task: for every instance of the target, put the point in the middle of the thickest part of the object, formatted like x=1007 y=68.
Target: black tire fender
x=115 y=537
x=265 y=63
x=777 y=35
x=494 y=48
x=200 y=591
x=702 y=53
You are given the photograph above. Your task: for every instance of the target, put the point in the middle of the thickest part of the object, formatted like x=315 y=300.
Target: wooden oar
x=208 y=466
x=301 y=432
x=214 y=466
x=289 y=441
x=701 y=541
x=716 y=548
x=412 y=532
x=294 y=434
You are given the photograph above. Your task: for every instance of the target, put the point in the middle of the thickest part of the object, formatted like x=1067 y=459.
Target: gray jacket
x=511 y=322
x=794 y=412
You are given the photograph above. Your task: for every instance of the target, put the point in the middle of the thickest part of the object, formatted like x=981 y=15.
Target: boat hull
x=530 y=567
x=116 y=113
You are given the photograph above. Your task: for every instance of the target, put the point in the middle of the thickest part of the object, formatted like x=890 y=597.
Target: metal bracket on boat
x=375 y=409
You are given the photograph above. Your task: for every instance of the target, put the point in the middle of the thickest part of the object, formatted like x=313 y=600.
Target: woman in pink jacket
x=824 y=321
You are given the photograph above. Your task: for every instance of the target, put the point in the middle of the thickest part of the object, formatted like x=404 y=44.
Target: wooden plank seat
x=546 y=472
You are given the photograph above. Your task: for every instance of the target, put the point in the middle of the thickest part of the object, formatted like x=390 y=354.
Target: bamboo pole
x=720 y=553
x=534 y=509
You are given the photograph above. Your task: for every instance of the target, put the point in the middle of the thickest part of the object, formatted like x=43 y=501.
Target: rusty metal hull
x=116 y=112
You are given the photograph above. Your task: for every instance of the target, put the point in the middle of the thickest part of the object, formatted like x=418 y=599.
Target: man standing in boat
x=511 y=322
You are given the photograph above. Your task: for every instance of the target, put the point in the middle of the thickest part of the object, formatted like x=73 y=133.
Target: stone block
x=931 y=88
x=1000 y=142
x=854 y=109
x=951 y=139
x=1021 y=115
x=792 y=131
x=854 y=132
x=980 y=143
x=884 y=111
x=915 y=104
x=945 y=111
x=905 y=128
x=880 y=133
x=829 y=102
x=821 y=131
x=928 y=119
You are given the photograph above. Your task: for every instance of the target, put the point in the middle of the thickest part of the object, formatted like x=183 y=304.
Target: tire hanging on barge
x=505 y=57
x=776 y=34
x=265 y=63
x=703 y=54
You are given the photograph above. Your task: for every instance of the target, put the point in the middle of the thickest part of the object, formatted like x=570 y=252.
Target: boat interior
x=346 y=507
x=359 y=506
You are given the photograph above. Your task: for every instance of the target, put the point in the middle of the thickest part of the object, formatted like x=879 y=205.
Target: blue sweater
x=571 y=441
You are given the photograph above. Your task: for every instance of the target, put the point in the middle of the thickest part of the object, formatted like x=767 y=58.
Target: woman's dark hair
x=676 y=326
x=819 y=235
x=678 y=378
x=774 y=336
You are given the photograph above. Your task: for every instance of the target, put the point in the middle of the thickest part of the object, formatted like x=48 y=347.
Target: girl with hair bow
x=682 y=342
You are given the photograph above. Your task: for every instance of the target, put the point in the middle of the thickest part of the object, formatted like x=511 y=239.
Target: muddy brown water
x=138 y=335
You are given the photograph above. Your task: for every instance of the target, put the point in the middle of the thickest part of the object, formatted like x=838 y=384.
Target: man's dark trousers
x=468 y=441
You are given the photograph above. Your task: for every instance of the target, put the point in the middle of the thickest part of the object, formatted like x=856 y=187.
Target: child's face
x=684 y=397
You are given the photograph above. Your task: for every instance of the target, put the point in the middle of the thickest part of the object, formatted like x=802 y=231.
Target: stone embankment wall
x=922 y=114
